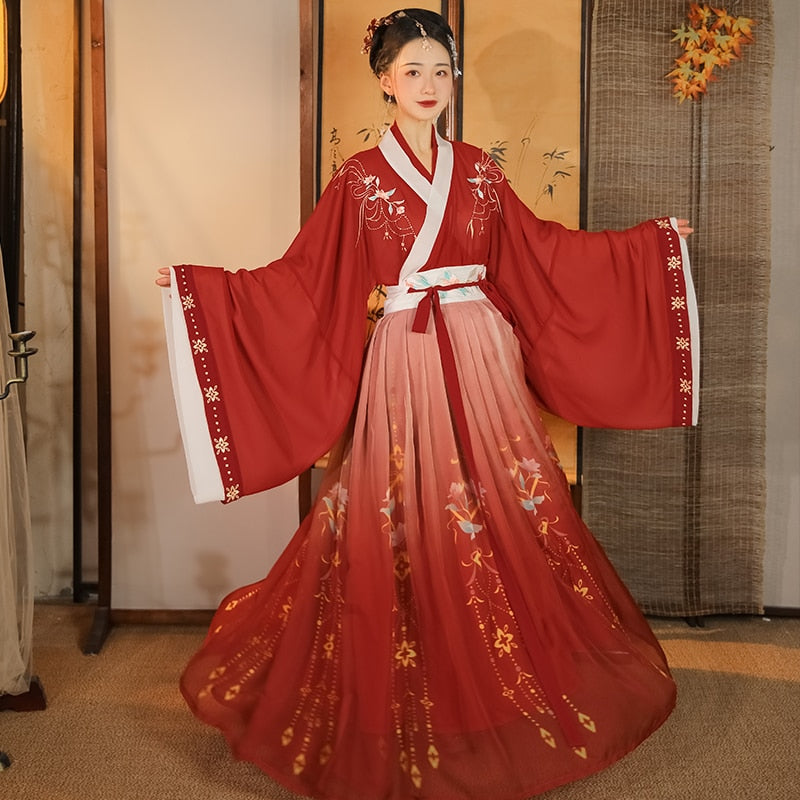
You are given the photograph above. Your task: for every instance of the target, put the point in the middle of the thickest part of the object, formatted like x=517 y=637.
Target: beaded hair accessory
x=454 y=55
x=426 y=42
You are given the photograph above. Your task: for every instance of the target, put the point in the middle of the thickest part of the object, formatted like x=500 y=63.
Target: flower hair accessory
x=371 y=28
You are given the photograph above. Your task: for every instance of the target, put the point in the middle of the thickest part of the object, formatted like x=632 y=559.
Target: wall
x=203 y=115
x=782 y=562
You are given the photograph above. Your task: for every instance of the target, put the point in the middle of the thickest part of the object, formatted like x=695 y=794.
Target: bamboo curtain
x=682 y=512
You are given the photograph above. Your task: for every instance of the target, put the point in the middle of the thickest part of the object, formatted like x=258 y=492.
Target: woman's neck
x=418 y=136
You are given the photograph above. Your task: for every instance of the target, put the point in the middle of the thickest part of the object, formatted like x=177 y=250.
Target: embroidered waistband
x=409 y=294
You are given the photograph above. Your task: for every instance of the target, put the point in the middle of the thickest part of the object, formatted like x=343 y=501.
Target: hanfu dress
x=442 y=624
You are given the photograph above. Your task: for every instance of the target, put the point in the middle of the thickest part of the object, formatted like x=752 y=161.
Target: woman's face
x=420 y=79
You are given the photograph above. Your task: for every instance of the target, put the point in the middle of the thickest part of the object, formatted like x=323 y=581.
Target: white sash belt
x=402 y=297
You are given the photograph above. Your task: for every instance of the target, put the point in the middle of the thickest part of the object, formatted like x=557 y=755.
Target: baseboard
x=161 y=616
x=781 y=611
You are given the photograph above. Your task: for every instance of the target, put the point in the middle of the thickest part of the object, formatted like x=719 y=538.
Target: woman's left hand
x=684 y=228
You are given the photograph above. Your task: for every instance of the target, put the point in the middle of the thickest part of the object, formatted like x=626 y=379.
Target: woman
x=442 y=625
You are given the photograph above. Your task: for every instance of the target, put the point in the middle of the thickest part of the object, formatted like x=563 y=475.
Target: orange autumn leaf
x=699 y=14
x=686 y=36
x=683 y=70
x=706 y=36
x=743 y=25
x=709 y=59
x=727 y=57
x=696 y=57
x=724 y=19
x=722 y=41
x=695 y=89
x=735 y=44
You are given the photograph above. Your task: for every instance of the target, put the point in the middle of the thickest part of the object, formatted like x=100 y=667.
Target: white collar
x=434 y=194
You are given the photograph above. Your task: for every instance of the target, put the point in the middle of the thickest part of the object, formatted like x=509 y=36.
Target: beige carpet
x=116 y=728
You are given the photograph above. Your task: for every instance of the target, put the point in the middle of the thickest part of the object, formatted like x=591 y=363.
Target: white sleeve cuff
x=694 y=323
x=204 y=477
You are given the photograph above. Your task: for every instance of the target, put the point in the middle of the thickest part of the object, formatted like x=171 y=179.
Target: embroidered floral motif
x=504 y=640
x=678 y=303
x=682 y=343
x=222 y=445
x=406 y=654
x=395 y=528
x=212 y=394
x=464 y=510
x=188 y=302
x=686 y=386
x=663 y=223
x=200 y=346
x=527 y=476
x=232 y=493
x=381 y=210
x=486 y=200
x=674 y=262
x=335 y=504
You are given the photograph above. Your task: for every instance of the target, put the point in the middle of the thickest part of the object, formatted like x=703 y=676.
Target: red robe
x=442 y=624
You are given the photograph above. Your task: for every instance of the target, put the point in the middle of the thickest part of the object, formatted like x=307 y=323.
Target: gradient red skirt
x=429 y=635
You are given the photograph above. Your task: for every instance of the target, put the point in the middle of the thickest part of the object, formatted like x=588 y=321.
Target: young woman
x=442 y=625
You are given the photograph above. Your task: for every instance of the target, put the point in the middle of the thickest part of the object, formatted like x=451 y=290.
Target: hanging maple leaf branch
x=711 y=39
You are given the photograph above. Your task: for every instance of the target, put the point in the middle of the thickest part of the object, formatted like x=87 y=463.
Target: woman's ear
x=386 y=84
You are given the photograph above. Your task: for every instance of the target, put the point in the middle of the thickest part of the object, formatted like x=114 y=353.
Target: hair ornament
x=426 y=42
x=371 y=28
x=454 y=55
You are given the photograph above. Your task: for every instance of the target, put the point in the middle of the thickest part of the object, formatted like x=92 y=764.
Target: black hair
x=393 y=32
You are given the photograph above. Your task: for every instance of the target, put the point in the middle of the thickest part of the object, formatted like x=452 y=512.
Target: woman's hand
x=683 y=228
x=163 y=278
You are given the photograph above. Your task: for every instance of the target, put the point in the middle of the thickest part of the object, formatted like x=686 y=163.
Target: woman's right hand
x=163 y=278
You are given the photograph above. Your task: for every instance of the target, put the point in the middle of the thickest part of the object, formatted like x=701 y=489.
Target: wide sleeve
x=607 y=320
x=265 y=363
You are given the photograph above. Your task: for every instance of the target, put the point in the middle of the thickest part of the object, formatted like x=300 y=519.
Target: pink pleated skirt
x=430 y=633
